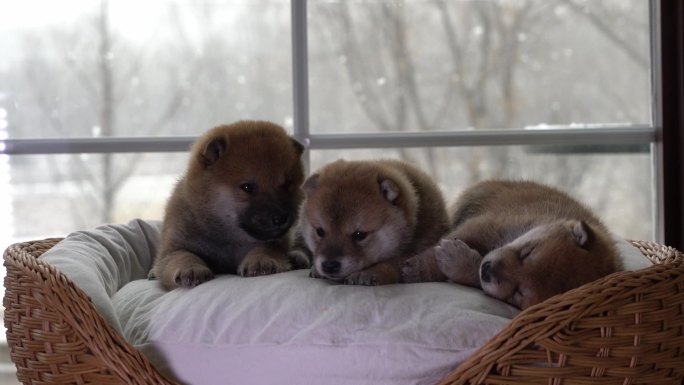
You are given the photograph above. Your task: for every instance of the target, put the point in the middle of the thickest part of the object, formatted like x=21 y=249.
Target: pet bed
x=626 y=328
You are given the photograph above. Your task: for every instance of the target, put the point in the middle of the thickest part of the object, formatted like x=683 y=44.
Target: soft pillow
x=102 y=260
x=632 y=258
x=281 y=329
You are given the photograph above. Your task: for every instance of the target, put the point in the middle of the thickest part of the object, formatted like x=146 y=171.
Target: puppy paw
x=298 y=260
x=254 y=266
x=410 y=272
x=458 y=261
x=192 y=276
x=363 y=277
x=313 y=273
x=421 y=268
x=448 y=251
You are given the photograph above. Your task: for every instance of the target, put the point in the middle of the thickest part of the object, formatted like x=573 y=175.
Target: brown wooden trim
x=671 y=135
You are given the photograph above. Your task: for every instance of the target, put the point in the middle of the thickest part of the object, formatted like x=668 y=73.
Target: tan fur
x=522 y=242
x=361 y=219
x=232 y=210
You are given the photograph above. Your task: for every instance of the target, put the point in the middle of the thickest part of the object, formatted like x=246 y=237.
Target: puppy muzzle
x=268 y=224
x=486 y=271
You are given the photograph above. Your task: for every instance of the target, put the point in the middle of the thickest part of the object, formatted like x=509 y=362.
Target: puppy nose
x=279 y=219
x=485 y=271
x=331 y=266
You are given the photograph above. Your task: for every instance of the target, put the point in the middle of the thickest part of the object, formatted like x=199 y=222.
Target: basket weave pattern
x=54 y=332
x=627 y=328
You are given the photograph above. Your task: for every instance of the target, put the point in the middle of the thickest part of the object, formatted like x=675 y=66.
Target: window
x=555 y=91
x=99 y=100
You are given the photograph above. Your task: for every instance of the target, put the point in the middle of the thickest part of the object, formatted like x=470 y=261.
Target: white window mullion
x=610 y=135
x=597 y=135
x=102 y=145
x=657 y=122
x=300 y=73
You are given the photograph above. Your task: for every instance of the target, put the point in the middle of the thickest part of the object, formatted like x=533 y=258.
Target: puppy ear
x=310 y=184
x=582 y=233
x=299 y=148
x=213 y=151
x=389 y=189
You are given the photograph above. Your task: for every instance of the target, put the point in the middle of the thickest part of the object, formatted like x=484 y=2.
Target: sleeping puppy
x=233 y=210
x=521 y=242
x=361 y=219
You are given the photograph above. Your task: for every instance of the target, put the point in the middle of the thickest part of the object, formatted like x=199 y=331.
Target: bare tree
x=480 y=83
x=103 y=81
x=448 y=65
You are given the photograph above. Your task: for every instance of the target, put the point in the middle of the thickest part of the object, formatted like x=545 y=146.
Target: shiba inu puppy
x=521 y=242
x=361 y=219
x=233 y=209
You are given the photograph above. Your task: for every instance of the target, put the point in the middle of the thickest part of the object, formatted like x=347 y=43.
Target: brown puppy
x=361 y=219
x=233 y=209
x=522 y=242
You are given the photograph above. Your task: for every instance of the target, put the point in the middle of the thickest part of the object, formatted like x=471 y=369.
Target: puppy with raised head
x=233 y=209
x=521 y=242
x=362 y=219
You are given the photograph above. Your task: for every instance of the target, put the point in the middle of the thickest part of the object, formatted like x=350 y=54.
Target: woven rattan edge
x=60 y=294
x=133 y=368
x=546 y=318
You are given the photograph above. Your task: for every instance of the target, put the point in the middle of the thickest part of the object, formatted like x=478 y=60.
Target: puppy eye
x=286 y=186
x=526 y=253
x=248 y=187
x=359 y=236
x=320 y=232
x=517 y=298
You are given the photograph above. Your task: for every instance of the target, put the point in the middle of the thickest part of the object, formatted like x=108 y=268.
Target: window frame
x=669 y=122
x=665 y=133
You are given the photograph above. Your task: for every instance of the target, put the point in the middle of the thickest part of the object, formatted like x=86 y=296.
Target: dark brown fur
x=232 y=210
x=522 y=242
x=361 y=219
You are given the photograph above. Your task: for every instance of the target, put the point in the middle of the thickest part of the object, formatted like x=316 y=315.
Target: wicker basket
x=55 y=334
x=627 y=328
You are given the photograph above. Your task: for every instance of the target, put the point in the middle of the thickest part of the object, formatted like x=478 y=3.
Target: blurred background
x=124 y=68
x=83 y=68
x=160 y=68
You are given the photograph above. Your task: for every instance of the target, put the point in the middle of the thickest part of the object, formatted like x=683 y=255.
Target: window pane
x=417 y=65
x=615 y=182
x=52 y=195
x=131 y=68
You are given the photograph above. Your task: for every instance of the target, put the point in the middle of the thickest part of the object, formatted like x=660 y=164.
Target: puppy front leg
x=458 y=262
x=382 y=273
x=180 y=268
x=422 y=268
x=299 y=259
x=263 y=260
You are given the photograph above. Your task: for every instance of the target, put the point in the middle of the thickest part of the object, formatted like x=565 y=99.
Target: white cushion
x=632 y=258
x=281 y=329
